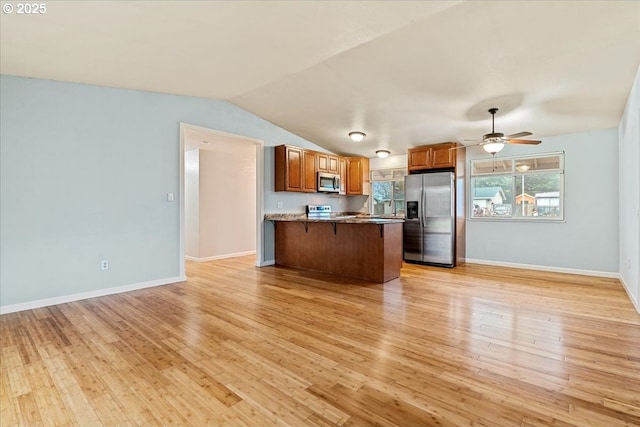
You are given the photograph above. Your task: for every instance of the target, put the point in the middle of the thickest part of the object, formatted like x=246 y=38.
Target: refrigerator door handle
x=421 y=207
x=423 y=201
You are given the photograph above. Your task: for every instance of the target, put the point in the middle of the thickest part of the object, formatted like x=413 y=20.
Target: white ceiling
x=406 y=73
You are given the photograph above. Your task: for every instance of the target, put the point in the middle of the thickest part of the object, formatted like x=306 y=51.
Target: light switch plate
x=171 y=197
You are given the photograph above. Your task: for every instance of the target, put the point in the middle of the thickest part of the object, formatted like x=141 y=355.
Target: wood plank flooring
x=237 y=345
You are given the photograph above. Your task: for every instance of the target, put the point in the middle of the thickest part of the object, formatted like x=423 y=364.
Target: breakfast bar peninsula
x=356 y=246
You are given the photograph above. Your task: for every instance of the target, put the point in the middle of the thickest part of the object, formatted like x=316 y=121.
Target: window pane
x=387 y=189
x=382 y=192
x=381 y=174
x=398 y=196
x=480 y=167
x=399 y=174
x=492 y=196
x=398 y=190
x=538 y=195
x=538 y=163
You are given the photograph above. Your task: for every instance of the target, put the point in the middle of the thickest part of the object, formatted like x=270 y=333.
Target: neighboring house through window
x=524 y=187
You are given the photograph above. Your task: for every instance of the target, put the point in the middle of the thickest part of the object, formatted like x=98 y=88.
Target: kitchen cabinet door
x=328 y=163
x=436 y=156
x=322 y=161
x=442 y=156
x=343 y=175
x=289 y=168
x=333 y=163
x=309 y=174
x=357 y=176
x=419 y=158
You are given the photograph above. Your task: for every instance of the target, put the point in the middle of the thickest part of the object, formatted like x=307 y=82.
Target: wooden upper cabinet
x=342 y=163
x=295 y=169
x=334 y=164
x=442 y=156
x=323 y=162
x=328 y=163
x=309 y=174
x=437 y=156
x=357 y=176
x=419 y=158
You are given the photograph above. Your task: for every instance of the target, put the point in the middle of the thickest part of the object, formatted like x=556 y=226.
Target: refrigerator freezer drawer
x=438 y=249
x=412 y=240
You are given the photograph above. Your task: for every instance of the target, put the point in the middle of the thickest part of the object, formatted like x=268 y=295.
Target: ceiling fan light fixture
x=357 y=136
x=383 y=154
x=493 y=147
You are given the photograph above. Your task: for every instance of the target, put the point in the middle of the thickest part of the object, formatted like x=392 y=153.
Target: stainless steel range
x=319 y=211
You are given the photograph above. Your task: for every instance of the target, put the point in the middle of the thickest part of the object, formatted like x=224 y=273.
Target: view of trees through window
x=529 y=191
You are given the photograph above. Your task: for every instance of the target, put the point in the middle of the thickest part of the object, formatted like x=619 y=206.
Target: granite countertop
x=343 y=218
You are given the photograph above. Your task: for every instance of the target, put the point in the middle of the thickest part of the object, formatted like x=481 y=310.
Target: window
x=525 y=187
x=387 y=189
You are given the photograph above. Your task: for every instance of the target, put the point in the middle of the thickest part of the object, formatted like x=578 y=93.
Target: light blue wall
x=629 y=135
x=588 y=238
x=84 y=176
x=84 y=172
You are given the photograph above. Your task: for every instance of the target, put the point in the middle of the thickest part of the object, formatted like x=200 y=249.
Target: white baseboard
x=5 y=309
x=594 y=273
x=636 y=304
x=267 y=263
x=216 y=257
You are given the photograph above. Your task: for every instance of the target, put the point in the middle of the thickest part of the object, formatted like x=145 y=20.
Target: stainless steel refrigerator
x=429 y=228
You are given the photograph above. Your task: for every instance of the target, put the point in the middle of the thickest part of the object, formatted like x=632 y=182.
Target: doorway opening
x=221 y=193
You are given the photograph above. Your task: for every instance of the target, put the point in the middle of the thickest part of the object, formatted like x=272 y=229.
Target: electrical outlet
x=104 y=265
x=279 y=205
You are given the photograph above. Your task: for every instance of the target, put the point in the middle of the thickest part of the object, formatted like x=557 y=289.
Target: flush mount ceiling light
x=383 y=154
x=357 y=136
x=522 y=167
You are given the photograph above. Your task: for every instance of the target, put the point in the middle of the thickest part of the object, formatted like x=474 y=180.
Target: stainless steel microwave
x=328 y=182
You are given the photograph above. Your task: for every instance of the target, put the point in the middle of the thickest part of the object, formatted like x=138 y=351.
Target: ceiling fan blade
x=466 y=146
x=523 y=141
x=519 y=134
x=471 y=140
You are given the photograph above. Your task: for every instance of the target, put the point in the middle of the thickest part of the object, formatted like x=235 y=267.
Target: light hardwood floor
x=240 y=345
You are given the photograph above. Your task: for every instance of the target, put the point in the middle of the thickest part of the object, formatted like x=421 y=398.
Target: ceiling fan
x=494 y=142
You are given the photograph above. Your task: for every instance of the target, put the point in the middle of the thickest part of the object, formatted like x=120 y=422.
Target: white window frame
x=404 y=172
x=516 y=174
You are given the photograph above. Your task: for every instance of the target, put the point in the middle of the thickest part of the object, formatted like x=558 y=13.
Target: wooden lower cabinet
x=371 y=252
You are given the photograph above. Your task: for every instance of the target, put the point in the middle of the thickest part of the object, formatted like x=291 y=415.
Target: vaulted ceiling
x=406 y=73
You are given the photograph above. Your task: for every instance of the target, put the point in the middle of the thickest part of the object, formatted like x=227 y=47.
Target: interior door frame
x=259 y=150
